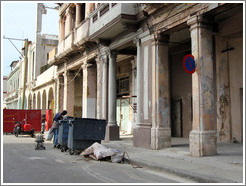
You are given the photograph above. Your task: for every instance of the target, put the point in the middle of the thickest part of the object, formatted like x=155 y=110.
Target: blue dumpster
x=63 y=134
x=83 y=132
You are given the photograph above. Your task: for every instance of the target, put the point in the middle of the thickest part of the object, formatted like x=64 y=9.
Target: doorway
x=181 y=96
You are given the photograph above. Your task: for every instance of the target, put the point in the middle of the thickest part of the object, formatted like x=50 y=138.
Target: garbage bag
x=117 y=157
x=49 y=135
x=97 y=151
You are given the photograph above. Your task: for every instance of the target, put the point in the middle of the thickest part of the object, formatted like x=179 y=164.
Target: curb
x=182 y=173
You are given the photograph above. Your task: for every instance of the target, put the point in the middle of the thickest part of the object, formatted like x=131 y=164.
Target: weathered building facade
x=11 y=98
x=4 y=90
x=32 y=81
x=39 y=80
x=123 y=62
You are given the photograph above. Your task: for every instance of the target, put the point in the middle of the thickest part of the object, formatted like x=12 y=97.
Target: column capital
x=84 y=66
x=113 y=53
x=199 y=21
x=78 y=4
x=137 y=41
x=69 y=11
x=60 y=77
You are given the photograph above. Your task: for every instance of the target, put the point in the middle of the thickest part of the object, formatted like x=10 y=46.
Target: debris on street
x=97 y=152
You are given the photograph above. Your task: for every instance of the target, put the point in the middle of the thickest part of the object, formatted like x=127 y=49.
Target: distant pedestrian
x=43 y=122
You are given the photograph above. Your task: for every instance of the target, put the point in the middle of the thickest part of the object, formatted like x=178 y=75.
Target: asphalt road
x=23 y=164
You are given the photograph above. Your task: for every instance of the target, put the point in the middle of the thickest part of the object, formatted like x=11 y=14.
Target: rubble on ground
x=97 y=152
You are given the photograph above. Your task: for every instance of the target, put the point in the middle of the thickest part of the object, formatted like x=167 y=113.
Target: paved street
x=23 y=164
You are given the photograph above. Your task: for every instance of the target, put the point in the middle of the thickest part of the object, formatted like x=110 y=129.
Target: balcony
x=46 y=76
x=65 y=46
x=111 y=19
x=82 y=33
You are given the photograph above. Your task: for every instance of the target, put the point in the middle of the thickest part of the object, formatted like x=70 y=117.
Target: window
x=104 y=10
x=82 y=11
x=95 y=18
x=123 y=86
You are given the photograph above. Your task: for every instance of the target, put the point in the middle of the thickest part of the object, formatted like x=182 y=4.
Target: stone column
x=68 y=25
x=142 y=131
x=134 y=92
x=105 y=87
x=139 y=94
x=89 y=91
x=112 y=130
x=78 y=14
x=68 y=103
x=99 y=88
x=87 y=10
x=161 y=132
x=203 y=140
x=60 y=29
x=60 y=93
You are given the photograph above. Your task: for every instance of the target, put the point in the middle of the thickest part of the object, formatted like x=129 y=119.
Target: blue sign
x=189 y=64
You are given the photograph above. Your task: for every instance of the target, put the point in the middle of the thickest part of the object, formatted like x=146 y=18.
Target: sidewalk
x=225 y=167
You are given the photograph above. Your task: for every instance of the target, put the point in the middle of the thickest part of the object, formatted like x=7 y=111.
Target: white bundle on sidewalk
x=98 y=151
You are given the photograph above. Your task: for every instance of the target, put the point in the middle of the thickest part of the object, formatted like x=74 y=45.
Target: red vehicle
x=23 y=128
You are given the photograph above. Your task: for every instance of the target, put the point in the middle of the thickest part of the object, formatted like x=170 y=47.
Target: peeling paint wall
x=78 y=83
x=146 y=88
x=229 y=78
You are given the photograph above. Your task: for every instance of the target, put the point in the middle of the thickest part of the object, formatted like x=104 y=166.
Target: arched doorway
x=38 y=101
x=34 y=101
x=43 y=102
x=29 y=106
x=50 y=99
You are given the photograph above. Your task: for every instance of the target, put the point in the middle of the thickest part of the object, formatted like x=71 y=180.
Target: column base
x=203 y=143
x=160 y=138
x=142 y=137
x=112 y=133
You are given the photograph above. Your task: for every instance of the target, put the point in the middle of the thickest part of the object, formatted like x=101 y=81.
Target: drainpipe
x=24 y=81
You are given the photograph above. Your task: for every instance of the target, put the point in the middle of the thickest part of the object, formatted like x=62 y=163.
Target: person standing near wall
x=58 y=116
x=43 y=121
x=54 y=128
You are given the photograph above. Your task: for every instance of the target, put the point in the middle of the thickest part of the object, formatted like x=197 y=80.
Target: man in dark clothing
x=58 y=116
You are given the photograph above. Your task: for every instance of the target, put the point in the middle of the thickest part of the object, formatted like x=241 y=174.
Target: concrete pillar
x=99 y=88
x=134 y=92
x=68 y=103
x=60 y=93
x=142 y=131
x=87 y=10
x=78 y=14
x=203 y=140
x=68 y=24
x=105 y=87
x=160 y=131
x=61 y=29
x=112 y=130
x=89 y=91
x=139 y=94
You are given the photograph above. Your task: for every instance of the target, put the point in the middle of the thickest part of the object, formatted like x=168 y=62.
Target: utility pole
x=24 y=80
x=25 y=65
